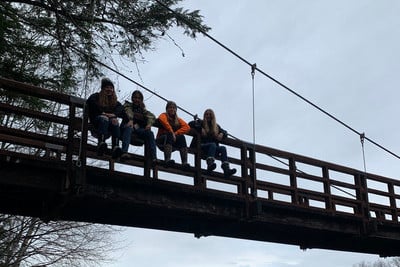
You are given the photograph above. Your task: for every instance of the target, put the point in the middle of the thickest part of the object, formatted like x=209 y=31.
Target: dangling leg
x=116 y=152
x=149 y=141
x=228 y=172
x=101 y=123
x=210 y=149
x=115 y=133
x=211 y=164
x=126 y=140
x=101 y=145
x=167 y=155
x=180 y=143
x=184 y=151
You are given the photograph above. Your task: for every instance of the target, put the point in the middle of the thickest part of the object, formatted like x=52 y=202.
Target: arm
x=164 y=122
x=150 y=118
x=128 y=110
x=223 y=132
x=93 y=109
x=184 y=129
x=119 y=111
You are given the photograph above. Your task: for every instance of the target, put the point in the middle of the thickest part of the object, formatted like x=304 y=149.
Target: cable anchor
x=362 y=138
x=253 y=69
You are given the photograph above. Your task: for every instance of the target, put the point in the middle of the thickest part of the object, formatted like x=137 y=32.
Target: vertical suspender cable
x=253 y=71
x=272 y=78
x=362 y=137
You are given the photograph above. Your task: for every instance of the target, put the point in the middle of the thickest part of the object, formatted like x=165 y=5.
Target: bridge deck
x=282 y=197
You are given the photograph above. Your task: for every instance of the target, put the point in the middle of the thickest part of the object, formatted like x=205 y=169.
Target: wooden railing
x=267 y=175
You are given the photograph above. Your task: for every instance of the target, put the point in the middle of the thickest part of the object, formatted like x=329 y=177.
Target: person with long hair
x=210 y=136
x=139 y=121
x=104 y=109
x=171 y=134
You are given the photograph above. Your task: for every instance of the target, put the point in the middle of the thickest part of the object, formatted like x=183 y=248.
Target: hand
x=108 y=115
x=114 y=120
x=220 y=136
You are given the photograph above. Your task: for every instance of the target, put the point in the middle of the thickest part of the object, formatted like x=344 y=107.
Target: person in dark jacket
x=104 y=111
x=210 y=136
x=139 y=120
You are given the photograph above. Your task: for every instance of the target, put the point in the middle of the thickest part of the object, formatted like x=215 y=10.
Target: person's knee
x=102 y=120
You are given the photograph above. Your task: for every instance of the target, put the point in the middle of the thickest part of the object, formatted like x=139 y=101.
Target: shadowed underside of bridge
x=276 y=196
x=37 y=189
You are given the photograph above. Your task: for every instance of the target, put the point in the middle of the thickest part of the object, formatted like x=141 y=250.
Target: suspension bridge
x=276 y=196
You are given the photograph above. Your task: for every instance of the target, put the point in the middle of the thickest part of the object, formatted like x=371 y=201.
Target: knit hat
x=106 y=82
x=169 y=104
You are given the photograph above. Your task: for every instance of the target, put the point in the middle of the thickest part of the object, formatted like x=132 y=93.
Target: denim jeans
x=213 y=150
x=106 y=128
x=146 y=135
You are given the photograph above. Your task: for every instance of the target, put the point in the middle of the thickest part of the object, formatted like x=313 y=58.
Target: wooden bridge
x=281 y=197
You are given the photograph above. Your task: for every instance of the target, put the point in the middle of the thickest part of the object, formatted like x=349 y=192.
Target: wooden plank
x=45 y=116
x=32 y=90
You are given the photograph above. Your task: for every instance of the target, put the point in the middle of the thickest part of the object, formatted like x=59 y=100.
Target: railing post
x=327 y=190
x=147 y=161
x=199 y=181
x=251 y=165
x=362 y=196
x=70 y=146
x=392 y=198
x=79 y=177
x=293 y=181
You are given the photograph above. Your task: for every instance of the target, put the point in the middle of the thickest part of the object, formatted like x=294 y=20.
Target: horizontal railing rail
x=265 y=175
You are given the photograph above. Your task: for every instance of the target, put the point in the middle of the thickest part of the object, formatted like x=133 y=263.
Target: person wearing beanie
x=210 y=136
x=171 y=135
x=139 y=121
x=104 y=109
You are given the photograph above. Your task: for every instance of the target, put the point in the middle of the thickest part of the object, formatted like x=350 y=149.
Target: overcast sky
x=341 y=55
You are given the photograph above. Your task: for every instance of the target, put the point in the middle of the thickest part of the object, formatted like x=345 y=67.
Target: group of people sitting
x=104 y=109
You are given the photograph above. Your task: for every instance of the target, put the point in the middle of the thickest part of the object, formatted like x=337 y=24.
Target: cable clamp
x=362 y=137
x=253 y=69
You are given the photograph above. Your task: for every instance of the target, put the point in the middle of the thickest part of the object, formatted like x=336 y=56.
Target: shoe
x=101 y=148
x=125 y=156
x=229 y=173
x=211 y=164
x=116 y=152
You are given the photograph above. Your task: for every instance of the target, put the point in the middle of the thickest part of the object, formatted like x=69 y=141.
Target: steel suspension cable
x=275 y=80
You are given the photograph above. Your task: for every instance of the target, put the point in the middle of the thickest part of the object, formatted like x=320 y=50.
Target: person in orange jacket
x=171 y=134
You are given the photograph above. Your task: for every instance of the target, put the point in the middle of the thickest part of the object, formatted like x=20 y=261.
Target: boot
x=167 y=155
x=228 y=172
x=184 y=152
x=211 y=164
x=101 y=145
x=116 y=151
